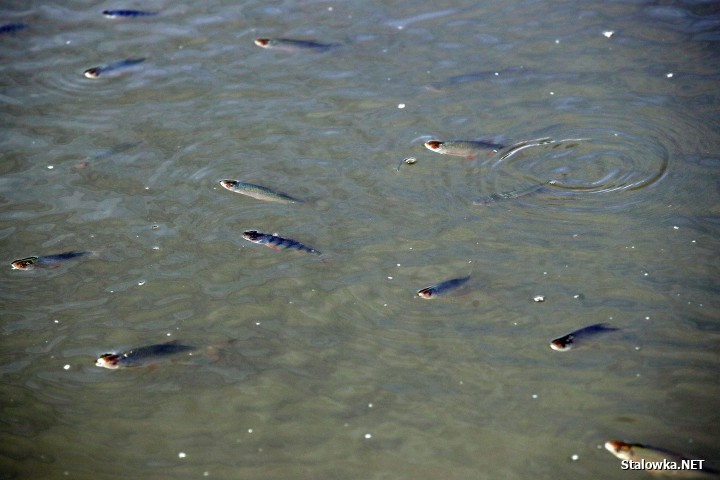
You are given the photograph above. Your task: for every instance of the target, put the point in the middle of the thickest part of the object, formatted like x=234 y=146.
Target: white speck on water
x=676 y=227
x=574 y=457
x=384 y=304
x=141 y=283
x=497 y=74
x=646 y=274
x=257 y=323
x=608 y=33
x=401 y=105
x=169 y=334
x=50 y=167
x=637 y=348
x=539 y=298
x=693 y=241
x=368 y=435
x=147 y=188
x=557 y=40
x=552 y=93
x=544 y=273
x=56 y=321
x=181 y=455
x=398 y=264
x=647 y=318
x=250 y=430
x=206 y=474
x=460 y=382
x=390 y=278
x=400 y=27
x=67 y=367
x=156 y=247
x=534 y=395
x=330 y=9
x=669 y=75
x=370 y=405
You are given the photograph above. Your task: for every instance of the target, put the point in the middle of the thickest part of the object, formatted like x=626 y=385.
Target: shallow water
x=338 y=369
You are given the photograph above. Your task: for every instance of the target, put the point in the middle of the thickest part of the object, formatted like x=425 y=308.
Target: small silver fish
x=257 y=191
x=442 y=288
x=276 y=243
x=119 y=66
x=567 y=342
x=291 y=45
x=462 y=148
x=12 y=28
x=47 y=261
x=521 y=192
x=143 y=356
x=658 y=461
x=127 y=13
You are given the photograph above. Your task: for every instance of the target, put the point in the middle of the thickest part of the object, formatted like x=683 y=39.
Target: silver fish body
x=636 y=456
x=128 y=13
x=513 y=194
x=257 y=191
x=47 y=261
x=116 y=67
x=292 y=45
x=569 y=341
x=143 y=356
x=276 y=243
x=462 y=148
x=442 y=288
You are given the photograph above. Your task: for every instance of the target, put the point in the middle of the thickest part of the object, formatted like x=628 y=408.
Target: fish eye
x=262 y=42
x=433 y=144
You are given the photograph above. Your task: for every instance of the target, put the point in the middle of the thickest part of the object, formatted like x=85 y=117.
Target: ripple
x=588 y=161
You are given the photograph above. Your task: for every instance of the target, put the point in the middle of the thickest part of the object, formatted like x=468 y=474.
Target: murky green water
x=338 y=369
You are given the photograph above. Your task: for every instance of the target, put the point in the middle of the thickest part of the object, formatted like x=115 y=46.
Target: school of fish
x=650 y=459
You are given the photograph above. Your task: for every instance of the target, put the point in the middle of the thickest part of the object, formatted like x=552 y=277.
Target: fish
x=567 y=342
x=143 y=356
x=291 y=45
x=462 y=148
x=275 y=242
x=96 y=72
x=47 y=261
x=127 y=13
x=12 y=28
x=258 y=192
x=636 y=456
x=442 y=288
x=512 y=194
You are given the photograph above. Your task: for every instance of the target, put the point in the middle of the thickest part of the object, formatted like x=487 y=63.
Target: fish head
x=24 y=263
x=252 y=235
x=262 y=42
x=229 y=183
x=434 y=145
x=92 y=72
x=109 y=360
x=622 y=450
x=562 y=344
x=426 y=293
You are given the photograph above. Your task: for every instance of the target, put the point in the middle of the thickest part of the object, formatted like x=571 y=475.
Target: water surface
x=338 y=369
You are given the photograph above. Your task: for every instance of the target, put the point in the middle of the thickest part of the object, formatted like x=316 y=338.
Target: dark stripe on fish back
x=274 y=241
x=127 y=13
x=12 y=28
